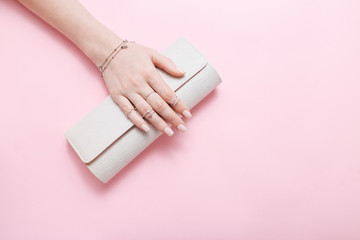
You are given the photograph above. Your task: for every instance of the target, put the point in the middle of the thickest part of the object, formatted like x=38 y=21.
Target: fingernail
x=145 y=127
x=168 y=131
x=181 y=127
x=179 y=69
x=187 y=114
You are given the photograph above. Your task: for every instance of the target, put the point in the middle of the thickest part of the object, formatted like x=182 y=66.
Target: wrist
x=99 y=43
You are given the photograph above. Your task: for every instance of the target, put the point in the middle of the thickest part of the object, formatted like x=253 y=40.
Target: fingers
x=168 y=95
x=145 y=109
x=132 y=114
x=131 y=86
x=158 y=103
x=165 y=63
x=154 y=109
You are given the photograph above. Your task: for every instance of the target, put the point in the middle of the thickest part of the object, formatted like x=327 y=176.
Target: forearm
x=71 y=19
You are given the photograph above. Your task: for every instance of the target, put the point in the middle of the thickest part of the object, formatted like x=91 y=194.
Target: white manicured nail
x=181 y=127
x=145 y=127
x=187 y=114
x=168 y=131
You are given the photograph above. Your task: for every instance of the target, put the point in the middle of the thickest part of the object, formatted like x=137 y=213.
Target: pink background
x=272 y=153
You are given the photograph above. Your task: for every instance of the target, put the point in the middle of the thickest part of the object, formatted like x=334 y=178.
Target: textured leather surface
x=107 y=141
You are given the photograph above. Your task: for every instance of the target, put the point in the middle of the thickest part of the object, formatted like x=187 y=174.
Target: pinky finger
x=131 y=113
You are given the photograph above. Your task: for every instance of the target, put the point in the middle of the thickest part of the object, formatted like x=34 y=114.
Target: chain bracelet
x=121 y=46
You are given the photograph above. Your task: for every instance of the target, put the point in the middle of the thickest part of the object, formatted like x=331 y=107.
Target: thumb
x=165 y=63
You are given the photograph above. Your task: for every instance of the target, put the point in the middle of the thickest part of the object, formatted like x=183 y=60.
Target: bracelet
x=122 y=45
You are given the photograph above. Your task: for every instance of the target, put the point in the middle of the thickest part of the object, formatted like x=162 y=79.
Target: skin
x=130 y=76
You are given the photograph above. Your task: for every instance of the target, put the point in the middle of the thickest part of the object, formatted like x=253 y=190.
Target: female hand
x=131 y=76
x=132 y=79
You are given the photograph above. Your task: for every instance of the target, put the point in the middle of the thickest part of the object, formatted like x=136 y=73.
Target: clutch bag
x=106 y=140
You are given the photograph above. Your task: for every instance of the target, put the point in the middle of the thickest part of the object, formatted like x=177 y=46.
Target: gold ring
x=128 y=113
x=175 y=101
x=149 y=95
x=148 y=113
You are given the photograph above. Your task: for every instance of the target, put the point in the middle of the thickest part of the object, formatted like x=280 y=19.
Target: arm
x=71 y=19
x=131 y=76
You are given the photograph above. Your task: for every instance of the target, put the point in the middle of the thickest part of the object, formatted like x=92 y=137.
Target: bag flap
x=98 y=129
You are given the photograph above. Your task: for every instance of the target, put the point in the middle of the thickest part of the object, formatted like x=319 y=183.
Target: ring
x=175 y=101
x=128 y=113
x=148 y=113
x=148 y=95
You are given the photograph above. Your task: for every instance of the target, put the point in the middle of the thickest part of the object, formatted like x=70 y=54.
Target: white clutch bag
x=106 y=140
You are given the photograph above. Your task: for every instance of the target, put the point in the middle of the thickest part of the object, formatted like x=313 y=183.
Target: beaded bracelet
x=122 y=45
